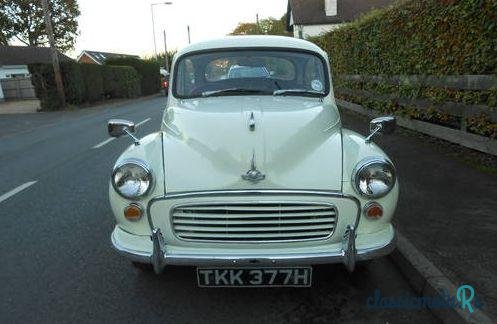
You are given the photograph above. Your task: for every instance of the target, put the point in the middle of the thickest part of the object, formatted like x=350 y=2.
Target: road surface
x=57 y=264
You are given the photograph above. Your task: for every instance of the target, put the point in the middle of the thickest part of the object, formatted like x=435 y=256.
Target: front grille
x=260 y=222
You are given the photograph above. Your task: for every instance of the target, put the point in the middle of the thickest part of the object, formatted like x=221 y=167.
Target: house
x=93 y=57
x=14 y=62
x=306 y=18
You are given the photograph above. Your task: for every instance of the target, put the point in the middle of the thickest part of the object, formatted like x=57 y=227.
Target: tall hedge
x=84 y=83
x=120 y=82
x=93 y=80
x=149 y=72
x=432 y=37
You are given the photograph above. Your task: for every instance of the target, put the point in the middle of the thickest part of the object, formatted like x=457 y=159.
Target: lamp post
x=153 y=22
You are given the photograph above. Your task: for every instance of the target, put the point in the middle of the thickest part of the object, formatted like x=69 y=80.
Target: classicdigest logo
x=465 y=298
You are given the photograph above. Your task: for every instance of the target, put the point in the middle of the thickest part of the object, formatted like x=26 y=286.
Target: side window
x=313 y=74
x=186 y=76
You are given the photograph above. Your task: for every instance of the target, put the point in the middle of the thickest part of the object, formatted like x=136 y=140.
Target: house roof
x=101 y=57
x=21 y=55
x=312 y=12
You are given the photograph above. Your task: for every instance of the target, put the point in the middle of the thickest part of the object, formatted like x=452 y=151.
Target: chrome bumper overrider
x=348 y=255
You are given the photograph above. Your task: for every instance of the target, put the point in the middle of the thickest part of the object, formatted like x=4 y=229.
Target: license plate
x=254 y=277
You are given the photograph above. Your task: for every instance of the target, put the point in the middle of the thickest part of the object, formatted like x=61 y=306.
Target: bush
x=431 y=37
x=42 y=77
x=93 y=81
x=149 y=72
x=84 y=83
x=120 y=82
x=74 y=86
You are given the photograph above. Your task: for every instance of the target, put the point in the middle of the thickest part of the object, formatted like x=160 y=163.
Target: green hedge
x=149 y=72
x=120 y=82
x=431 y=37
x=84 y=83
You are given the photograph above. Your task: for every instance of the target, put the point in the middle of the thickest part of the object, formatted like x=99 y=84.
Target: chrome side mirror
x=120 y=127
x=384 y=125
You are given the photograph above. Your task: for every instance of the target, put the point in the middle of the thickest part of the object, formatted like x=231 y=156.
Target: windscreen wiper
x=233 y=91
x=298 y=92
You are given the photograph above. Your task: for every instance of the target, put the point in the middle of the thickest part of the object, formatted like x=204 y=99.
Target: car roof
x=240 y=42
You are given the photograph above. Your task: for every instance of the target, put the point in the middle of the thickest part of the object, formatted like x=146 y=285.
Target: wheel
x=143 y=266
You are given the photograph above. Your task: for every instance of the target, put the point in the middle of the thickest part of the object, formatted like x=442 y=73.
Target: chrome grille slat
x=246 y=215
x=257 y=235
x=251 y=208
x=254 y=222
x=235 y=229
x=192 y=220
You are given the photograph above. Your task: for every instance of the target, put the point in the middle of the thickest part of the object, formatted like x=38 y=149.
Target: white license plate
x=254 y=277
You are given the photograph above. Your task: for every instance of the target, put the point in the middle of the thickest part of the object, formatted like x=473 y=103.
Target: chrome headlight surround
x=374 y=177
x=139 y=176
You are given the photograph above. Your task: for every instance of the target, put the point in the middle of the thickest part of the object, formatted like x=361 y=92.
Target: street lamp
x=153 y=23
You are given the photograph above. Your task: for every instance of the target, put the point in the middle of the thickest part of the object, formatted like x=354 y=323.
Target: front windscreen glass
x=258 y=72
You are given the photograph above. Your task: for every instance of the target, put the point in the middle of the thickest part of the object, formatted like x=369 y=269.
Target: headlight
x=373 y=177
x=132 y=179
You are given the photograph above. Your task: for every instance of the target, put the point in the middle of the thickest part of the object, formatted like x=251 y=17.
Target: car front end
x=253 y=180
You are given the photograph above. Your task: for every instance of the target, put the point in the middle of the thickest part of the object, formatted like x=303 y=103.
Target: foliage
x=24 y=21
x=149 y=72
x=419 y=37
x=429 y=37
x=93 y=81
x=160 y=58
x=84 y=83
x=480 y=124
x=268 y=26
x=435 y=94
x=120 y=82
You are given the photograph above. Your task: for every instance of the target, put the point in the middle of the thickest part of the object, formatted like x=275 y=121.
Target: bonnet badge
x=253 y=175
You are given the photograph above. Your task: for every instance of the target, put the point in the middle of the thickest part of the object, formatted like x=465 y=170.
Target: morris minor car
x=252 y=178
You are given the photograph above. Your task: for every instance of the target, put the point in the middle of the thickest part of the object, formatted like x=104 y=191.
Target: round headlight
x=374 y=177
x=132 y=179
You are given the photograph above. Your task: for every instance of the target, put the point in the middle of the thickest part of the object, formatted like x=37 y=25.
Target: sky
x=125 y=26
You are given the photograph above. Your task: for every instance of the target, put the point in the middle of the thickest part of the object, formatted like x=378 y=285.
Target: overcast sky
x=125 y=26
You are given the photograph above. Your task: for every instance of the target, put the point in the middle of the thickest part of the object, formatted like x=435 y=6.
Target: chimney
x=330 y=7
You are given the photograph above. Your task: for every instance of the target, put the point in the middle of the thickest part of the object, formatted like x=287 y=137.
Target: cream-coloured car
x=252 y=178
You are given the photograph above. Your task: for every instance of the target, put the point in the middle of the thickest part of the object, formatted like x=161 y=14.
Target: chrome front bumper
x=348 y=255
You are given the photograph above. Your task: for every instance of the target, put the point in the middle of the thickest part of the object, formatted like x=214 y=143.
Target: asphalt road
x=56 y=261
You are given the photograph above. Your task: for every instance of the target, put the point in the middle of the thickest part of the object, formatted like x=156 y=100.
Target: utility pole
x=188 y=29
x=153 y=21
x=55 y=53
x=257 y=22
x=153 y=28
x=165 y=51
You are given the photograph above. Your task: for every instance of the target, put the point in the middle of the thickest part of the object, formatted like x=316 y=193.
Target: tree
x=268 y=26
x=23 y=20
x=161 y=58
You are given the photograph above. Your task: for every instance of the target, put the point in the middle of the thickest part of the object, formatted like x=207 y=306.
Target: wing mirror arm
x=130 y=134
x=372 y=134
x=381 y=125
x=120 y=127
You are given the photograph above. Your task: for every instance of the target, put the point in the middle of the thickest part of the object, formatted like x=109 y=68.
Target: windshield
x=242 y=72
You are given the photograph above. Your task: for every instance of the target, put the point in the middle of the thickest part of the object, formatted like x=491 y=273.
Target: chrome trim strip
x=259 y=259
x=257 y=241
